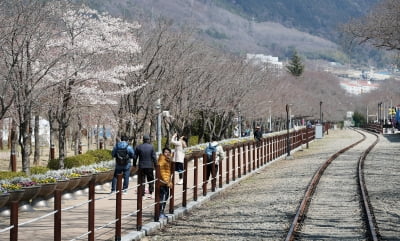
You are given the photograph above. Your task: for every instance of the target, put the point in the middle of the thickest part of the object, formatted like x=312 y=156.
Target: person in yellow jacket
x=164 y=162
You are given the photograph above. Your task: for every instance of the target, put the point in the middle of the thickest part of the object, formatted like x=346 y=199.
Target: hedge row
x=90 y=157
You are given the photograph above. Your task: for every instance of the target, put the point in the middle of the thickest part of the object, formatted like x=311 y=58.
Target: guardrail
x=374 y=127
x=241 y=159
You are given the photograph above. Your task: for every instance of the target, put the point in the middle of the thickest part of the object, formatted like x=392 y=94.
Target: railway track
x=336 y=203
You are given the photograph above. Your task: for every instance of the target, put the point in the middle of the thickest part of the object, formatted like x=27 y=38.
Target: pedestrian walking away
x=219 y=156
x=164 y=164
x=147 y=162
x=258 y=134
x=179 y=155
x=123 y=153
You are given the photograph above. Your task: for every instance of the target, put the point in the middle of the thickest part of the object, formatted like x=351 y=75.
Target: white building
x=358 y=87
x=269 y=61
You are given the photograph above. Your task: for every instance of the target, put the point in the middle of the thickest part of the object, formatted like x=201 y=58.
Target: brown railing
x=241 y=159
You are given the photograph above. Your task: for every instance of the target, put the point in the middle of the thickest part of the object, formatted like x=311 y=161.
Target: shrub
x=39 y=170
x=73 y=161
x=100 y=155
x=10 y=175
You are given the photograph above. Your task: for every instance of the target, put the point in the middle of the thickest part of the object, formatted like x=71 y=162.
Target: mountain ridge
x=218 y=21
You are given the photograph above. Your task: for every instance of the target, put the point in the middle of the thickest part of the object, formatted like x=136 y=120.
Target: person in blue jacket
x=123 y=153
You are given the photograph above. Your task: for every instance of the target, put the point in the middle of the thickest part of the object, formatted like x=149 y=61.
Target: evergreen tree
x=295 y=66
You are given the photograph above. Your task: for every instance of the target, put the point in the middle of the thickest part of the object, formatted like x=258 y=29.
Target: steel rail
x=301 y=211
x=372 y=228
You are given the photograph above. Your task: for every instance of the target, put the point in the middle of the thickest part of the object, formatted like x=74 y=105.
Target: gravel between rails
x=262 y=206
x=382 y=176
x=335 y=212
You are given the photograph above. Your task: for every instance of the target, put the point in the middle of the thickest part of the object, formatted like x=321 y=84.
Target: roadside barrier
x=242 y=158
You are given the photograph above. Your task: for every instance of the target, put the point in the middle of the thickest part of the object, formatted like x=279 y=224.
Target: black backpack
x=122 y=156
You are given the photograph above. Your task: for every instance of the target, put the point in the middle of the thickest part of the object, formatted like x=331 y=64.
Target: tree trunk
x=61 y=145
x=13 y=139
x=1 y=135
x=36 y=156
x=25 y=141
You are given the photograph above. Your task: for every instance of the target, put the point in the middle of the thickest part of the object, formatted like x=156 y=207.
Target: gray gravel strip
x=335 y=212
x=262 y=206
x=382 y=174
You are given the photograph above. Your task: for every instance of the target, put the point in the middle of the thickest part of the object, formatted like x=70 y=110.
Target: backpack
x=210 y=150
x=122 y=156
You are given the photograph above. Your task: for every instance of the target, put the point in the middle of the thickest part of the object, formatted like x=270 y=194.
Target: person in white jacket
x=179 y=156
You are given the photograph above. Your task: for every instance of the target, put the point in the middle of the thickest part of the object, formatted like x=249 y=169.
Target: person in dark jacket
x=122 y=167
x=147 y=161
x=258 y=134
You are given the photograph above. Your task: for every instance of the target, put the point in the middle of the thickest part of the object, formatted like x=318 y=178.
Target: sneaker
x=112 y=191
x=149 y=196
x=162 y=216
x=124 y=191
x=180 y=182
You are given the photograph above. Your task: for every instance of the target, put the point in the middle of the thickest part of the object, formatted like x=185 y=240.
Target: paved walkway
x=75 y=220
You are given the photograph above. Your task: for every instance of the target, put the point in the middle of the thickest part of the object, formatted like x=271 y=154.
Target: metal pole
x=240 y=125
x=287 y=127
x=270 y=121
x=158 y=106
x=320 y=112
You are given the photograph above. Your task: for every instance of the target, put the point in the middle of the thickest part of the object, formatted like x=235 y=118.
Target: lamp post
x=379 y=112
x=270 y=121
x=159 y=116
x=320 y=112
x=240 y=124
x=287 y=127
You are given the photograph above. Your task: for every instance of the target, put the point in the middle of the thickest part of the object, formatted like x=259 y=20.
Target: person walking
x=258 y=134
x=219 y=156
x=147 y=161
x=164 y=164
x=179 y=156
x=122 y=152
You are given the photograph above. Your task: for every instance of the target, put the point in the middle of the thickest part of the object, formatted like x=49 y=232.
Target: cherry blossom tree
x=98 y=52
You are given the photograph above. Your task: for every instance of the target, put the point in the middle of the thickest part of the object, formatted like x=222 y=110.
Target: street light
x=240 y=125
x=287 y=127
x=270 y=121
x=320 y=112
x=159 y=116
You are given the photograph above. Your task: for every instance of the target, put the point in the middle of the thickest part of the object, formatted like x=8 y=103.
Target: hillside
x=317 y=17
x=274 y=28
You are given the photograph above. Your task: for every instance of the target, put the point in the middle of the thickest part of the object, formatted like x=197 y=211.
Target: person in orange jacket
x=164 y=162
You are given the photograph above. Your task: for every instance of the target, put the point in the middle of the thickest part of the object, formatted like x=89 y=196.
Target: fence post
x=244 y=159
x=234 y=162
x=227 y=165
x=220 y=166
x=118 y=209
x=14 y=221
x=195 y=176
x=240 y=149
x=172 y=191
x=139 y=202
x=157 y=193
x=57 y=215
x=204 y=174
x=213 y=173
x=248 y=157
x=91 y=210
x=184 y=187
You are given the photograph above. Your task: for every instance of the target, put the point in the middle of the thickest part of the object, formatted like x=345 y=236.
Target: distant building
x=270 y=62
x=358 y=87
